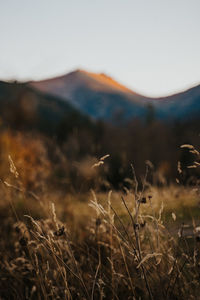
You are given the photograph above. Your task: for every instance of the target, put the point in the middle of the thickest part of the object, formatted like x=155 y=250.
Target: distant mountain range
x=101 y=97
x=88 y=96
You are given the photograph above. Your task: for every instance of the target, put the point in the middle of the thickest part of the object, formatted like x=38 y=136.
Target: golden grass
x=111 y=246
x=135 y=244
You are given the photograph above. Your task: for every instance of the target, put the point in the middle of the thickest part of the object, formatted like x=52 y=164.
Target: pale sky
x=151 y=46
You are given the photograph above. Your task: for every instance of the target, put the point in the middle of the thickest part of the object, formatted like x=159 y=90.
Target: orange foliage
x=29 y=156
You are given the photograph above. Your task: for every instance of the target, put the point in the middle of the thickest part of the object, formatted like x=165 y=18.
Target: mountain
x=48 y=102
x=182 y=106
x=96 y=95
x=101 y=97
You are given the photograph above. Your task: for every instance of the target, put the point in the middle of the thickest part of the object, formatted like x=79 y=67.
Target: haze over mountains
x=101 y=97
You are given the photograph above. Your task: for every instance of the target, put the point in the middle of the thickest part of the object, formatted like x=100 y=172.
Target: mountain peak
x=100 y=81
x=96 y=82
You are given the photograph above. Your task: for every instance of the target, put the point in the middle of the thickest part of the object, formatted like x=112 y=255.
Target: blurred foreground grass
x=138 y=243
x=183 y=202
x=93 y=246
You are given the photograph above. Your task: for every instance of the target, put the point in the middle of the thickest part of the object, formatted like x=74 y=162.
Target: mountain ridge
x=98 y=82
x=102 y=97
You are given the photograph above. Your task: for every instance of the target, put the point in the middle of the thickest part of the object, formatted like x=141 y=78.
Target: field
x=140 y=242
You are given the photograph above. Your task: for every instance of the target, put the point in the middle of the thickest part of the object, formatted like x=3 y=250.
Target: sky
x=151 y=46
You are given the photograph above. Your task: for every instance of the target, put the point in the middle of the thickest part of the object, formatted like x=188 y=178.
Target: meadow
x=138 y=242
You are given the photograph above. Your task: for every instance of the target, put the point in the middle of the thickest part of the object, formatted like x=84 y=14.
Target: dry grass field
x=137 y=243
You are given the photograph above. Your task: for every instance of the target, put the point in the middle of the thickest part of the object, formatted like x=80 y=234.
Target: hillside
x=184 y=105
x=101 y=97
x=23 y=107
x=96 y=95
